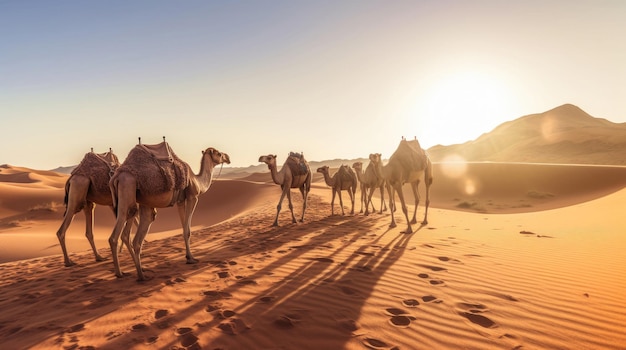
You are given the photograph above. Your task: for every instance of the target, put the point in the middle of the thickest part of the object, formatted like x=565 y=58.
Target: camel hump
x=160 y=151
x=410 y=154
x=156 y=168
x=93 y=163
x=346 y=173
x=297 y=164
x=108 y=157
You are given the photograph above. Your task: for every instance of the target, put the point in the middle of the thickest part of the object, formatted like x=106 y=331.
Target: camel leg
x=185 y=211
x=352 y=193
x=332 y=203
x=293 y=217
x=304 y=190
x=341 y=202
x=67 y=220
x=146 y=217
x=383 y=206
x=88 y=210
x=113 y=241
x=416 y=195
x=427 y=183
x=369 y=202
x=279 y=206
x=392 y=205
x=405 y=210
x=362 y=197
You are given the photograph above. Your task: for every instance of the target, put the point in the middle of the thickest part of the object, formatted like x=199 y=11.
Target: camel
x=371 y=179
x=151 y=177
x=343 y=180
x=408 y=164
x=87 y=186
x=295 y=173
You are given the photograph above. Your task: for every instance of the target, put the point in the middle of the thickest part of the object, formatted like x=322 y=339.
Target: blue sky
x=334 y=79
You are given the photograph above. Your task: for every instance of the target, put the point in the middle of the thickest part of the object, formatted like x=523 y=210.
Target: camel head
x=375 y=158
x=216 y=156
x=358 y=166
x=269 y=159
x=323 y=169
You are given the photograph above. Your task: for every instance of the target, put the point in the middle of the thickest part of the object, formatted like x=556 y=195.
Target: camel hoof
x=192 y=261
x=122 y=274
x=144 y=278
x=392 y=225
x=425 y=222
x=100 y=258
x=275 y=224
x=70 y=263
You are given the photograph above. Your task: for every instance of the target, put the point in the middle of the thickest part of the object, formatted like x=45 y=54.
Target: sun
x=463 y=105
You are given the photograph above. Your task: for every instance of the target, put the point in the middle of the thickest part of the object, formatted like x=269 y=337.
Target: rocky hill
x=565 y=134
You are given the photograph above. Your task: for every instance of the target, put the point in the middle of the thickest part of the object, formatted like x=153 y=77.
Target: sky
x=333 y=79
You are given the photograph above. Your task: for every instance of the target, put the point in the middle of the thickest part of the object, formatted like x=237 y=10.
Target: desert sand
x=515 y=256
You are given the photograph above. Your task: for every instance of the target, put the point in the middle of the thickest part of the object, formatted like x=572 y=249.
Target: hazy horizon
x=335 y=80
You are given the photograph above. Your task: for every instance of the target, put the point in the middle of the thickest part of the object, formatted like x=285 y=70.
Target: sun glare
x=463 y=106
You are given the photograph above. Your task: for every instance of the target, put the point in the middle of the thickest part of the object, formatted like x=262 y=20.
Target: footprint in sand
x=225 y=314
x=436 y=282
x=233 y=326
x=76 y=328
x=434 y=268
x=223 y=274
x=216 y=294
x=410 y=302
x=446 y=259
x=372 y=343
x=160 y=314
x=139 y=327
x=349 y=291
x=480 y=320
x=266 y=299
x=474 y=308
x=399 y=317
x=190 y=341
x=431 y=298
x=473 y=314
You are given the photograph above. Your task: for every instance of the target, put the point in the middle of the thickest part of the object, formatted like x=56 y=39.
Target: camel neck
x=205 y=176
x=327 y=178
x=275 y=176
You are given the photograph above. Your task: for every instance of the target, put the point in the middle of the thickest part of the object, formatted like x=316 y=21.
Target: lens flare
x=453 y=166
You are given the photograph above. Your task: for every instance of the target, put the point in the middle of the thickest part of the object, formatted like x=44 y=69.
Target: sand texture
x=515 y=256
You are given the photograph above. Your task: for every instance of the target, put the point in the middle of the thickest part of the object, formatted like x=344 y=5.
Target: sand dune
x=536 y=262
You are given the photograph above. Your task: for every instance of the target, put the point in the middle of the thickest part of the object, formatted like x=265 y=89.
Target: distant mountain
x=565 y=134
x=64 y=169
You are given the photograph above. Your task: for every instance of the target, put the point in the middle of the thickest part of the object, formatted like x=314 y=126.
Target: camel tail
x=67 y=193
x=428 y=171
x=113 y=187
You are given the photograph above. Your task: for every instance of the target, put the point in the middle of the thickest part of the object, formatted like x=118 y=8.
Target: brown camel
x=343 y=180
x=408 y=164
x=87 y=186
x=371 y=179
x=151 y=177
x=295 y=173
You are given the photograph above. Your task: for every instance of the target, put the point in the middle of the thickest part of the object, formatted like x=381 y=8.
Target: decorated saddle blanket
x=297 y=164
x=156 y=168
x=98 y=167
x=160 y=151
